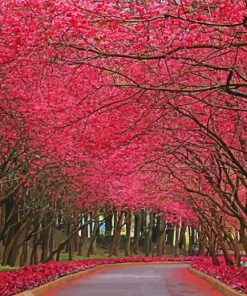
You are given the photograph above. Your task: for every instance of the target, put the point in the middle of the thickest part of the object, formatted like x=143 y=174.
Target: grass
x=7 y=267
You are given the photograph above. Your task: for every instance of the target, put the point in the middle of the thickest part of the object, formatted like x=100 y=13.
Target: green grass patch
x=7 y=267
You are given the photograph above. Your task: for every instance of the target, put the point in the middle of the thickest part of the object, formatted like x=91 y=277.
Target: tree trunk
x=34 y=254
x=148 y=236
x=91 y=249
x=176 y=248
x=82 y=237
x=243 y=238
x=170 y=232
x=10 y=252
x=116 y=236
x=182 y=239
x=23 y=258
x=128 y=229
x=136 y=233
x=161 y=237
x=191 y=241
x=45 y=237
x=70 y=249
x=213 y=254
x=51 y=244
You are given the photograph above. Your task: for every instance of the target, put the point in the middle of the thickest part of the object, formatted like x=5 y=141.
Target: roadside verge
x=226 y=290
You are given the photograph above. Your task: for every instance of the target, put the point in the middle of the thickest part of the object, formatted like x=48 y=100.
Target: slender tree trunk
x=51 y=244
x=70 y=249
x=161 y=237
x=224 y=248
x=201 y=251
x=170 y=233
x=75 y=242
x=182 y=239
x=148 y=235
x=137 y=233
x=227 y=256
x=213 y=254
x=128 y=229
x=11 y=249
x=91 y=249
x=34 y=253
x=176 y=248
x=243 y=238
x=237 y=253
x=191 y=241
x=116 y=236
x=80 y=245
x=45 y=238
x=23 y=257
x=82 y=237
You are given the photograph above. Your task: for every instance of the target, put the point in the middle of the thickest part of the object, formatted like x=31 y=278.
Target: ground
x=142 y=280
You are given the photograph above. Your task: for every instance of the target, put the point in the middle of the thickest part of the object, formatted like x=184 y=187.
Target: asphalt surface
x=141 y=280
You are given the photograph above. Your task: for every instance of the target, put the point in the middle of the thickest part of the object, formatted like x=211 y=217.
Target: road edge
x=220 y=286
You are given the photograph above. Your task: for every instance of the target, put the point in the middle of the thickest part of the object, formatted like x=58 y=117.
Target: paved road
x=138 y=280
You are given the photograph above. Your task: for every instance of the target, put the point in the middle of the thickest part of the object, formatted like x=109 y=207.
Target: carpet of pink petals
x=32 y=276
x=235 y=277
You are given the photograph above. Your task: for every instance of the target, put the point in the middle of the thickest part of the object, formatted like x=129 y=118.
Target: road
x=138 y=280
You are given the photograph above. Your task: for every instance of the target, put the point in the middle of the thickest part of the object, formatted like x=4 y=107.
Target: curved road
x=138 y=280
